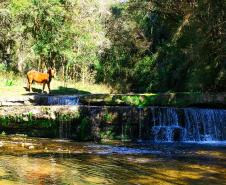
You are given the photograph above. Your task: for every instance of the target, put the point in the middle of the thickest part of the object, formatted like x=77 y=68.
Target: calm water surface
x=39 y=161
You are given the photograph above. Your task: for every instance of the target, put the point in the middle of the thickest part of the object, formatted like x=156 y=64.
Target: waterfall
x=64 y=129
x=205 y=124
x=166 y=126
x=140 y=120
x=62 y=100
x=195 y=124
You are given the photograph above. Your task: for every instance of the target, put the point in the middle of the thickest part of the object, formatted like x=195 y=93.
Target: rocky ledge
x=216 y=100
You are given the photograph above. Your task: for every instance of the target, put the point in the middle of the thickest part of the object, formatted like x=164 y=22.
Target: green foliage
x=30 y=115
x=132 y=100
x=4 y=121
x=108 y=117
x=64 y=117
x=67 y=116
x=45 y=123
x=134 y=46
x=108 y=134
x=85 y=129
x=3 y=133
x=41 y=33
x=140 y=100
x=46 y=26
x=9 y=82
x=2 y=68
x=165 y=46
x=26 y=121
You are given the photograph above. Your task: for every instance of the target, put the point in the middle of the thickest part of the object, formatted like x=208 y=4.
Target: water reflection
x=66 y=162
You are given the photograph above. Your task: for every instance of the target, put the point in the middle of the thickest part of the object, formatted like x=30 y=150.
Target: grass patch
x=12 y=85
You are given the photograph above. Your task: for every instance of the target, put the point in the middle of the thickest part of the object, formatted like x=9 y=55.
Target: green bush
x=2 y=67
x=10 y=82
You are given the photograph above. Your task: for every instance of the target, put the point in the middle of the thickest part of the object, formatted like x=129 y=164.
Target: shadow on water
x=89 y=167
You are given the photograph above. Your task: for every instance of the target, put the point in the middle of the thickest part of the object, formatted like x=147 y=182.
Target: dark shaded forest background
x=133 y=46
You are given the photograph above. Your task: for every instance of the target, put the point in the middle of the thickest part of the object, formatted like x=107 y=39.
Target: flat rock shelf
x=214 y=100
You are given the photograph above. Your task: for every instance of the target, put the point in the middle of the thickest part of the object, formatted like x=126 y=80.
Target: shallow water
x=39 y=161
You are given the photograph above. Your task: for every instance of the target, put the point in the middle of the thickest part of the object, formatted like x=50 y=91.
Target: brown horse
x=44 y=78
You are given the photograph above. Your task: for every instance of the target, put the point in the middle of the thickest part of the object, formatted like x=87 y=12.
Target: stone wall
x=110 y=122
x=217 y=100
x=78 y=122
x=143 y=100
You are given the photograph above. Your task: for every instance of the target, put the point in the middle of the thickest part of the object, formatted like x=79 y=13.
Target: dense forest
x=133 y=45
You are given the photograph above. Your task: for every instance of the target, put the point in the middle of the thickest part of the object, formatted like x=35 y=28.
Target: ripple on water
x=213 y=143
x=97 y=164
x=107 y=149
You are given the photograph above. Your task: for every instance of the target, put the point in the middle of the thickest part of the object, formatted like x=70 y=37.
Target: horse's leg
x=44 y=84
x=30 y=90
x=29 y=85
x=48 y=86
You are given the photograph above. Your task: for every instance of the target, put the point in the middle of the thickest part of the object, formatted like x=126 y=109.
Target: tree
x=6 y=42
x=166 y=46
x=45 y=26
x=66 y=34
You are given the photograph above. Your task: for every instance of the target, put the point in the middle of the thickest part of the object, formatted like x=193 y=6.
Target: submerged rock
x=31 y=147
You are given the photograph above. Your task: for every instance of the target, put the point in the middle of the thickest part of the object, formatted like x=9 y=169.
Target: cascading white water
x=141 y=118
x=205 y=124
x=62 y=100
x=64 y=126
x=65 y=129
x=166 y=116
x=197 y=124
x=166 y=126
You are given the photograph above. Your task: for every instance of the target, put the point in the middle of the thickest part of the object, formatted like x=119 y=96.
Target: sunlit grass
x=12 y=85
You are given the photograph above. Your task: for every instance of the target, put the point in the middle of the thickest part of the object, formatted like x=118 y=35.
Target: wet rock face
x=39 y=99
x=177 y=134
x=16 y=101
x=118 y=122
x=37 y=112
x=167 y=133
x=80 y=122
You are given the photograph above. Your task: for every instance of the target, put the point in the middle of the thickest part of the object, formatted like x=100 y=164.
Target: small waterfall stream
x=63 y=100
x=195 y=125
x=160 y=124
x=64 y=129
x=141 y=118
x=205 y=124
x=165 y=124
